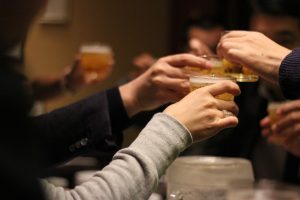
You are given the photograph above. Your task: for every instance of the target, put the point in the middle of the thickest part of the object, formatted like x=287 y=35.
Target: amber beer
x=241 y=73
x=199 y=81
x=96 y=61
x=217 y=67
x=222 y=67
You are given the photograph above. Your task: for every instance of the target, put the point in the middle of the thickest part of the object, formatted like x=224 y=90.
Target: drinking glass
x=206 y=177
x=224 y=67
x=96 y=60
x=199 y=81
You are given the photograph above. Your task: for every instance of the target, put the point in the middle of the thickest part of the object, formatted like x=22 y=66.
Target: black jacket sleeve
x=93 y=124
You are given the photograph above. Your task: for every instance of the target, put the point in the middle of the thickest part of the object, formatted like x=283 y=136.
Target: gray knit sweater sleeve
x=289 y=75
x=134 y=171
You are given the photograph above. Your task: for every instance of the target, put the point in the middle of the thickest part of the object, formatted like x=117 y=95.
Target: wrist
x=66 y=85
x=129 y=95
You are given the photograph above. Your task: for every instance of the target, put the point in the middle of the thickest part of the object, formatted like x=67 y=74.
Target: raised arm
x=135 y=171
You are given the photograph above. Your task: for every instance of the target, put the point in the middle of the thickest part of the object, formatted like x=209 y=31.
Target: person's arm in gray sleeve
x=134 y=171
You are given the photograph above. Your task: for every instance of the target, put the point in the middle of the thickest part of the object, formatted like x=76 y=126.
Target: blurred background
x=130 y=27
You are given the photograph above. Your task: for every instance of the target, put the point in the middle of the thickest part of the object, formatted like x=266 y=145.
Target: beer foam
x=95 y=49
x=208 y=79
x=214 y=60
x=216 y=63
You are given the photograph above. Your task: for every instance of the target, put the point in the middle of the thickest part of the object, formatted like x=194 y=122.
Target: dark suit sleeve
x=94 y=124
x=289 y=75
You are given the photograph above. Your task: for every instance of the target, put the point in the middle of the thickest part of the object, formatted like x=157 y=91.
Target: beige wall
x=130 y=27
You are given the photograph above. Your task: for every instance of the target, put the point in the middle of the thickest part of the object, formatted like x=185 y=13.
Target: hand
x=268 y=132
x=74 y=77
x=163 y=82
x=141 y=63
x=265 y=125
x=144 y=61
x=288 y=126
x=202 y=113
x=198 y=48
x=254 y=50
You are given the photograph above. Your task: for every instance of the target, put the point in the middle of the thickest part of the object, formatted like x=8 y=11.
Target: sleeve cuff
x=117 y=111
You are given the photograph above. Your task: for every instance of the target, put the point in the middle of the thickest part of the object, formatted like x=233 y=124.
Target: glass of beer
x=274 y=117
x=224 y=67
x=96 y=61
x=217 y=67
x=198 y=81
x=240 y=72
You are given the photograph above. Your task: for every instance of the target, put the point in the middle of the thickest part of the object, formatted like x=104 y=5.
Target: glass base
x=245 y=78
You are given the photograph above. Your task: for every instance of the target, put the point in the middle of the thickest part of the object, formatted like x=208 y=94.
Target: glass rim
x=275 y=104
x=212 y=161
x=211 y=56
x=213 y=78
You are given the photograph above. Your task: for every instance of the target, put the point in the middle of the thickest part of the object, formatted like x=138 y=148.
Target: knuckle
x=211 y=116
x=156 y=80
x=231 y=52
x=222 y=45
x=227 y=85
x=294 y=116
x=211 y=103
x=161 y=60
x=158 y=69
x=183 y=57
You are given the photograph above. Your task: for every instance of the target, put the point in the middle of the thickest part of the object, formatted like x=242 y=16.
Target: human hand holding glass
x=203 y=114
x=164 y=82
x=223 y=67
x=282 y=126
x=254 y=50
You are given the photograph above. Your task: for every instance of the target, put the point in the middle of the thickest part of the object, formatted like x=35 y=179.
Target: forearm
x=47 y=88
x=77 y=129
x=134 y=171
